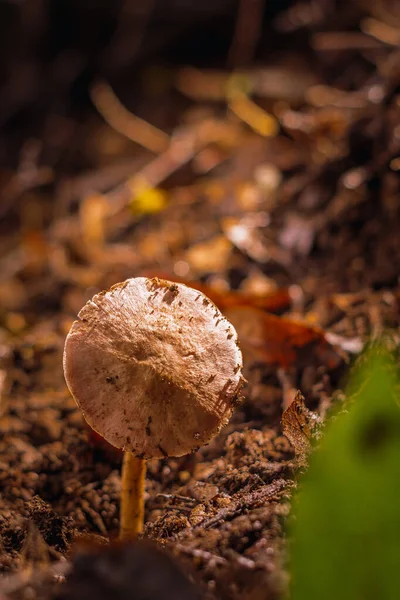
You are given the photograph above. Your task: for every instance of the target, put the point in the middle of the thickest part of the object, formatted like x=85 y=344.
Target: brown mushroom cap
x=154 y=366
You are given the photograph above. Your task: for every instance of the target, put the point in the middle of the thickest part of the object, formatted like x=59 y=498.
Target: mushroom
x=156 y=370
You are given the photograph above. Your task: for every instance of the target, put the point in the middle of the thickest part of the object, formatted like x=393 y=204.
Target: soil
x=303 y=224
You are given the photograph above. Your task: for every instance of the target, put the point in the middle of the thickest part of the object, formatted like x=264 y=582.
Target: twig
x=258 y=119
x=29 y=175
x=185 y=144
x=212 y=560
x=126 y=123
x=381 y=31
x=247 y=32
x=184 y=499
x=96 y=181
x=248 y=501
x=132 y=25
x=208 y=557
x=268 y=82
x=334 y=41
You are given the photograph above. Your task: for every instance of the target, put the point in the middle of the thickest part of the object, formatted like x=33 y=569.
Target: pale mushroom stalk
x=156 y=370
x=132 y=496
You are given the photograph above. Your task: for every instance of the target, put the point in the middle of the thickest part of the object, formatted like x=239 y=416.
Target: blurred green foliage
x=345 y=526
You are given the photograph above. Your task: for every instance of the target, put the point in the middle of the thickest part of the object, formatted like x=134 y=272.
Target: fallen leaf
x=280 y=341
x=274 y=301
x=300 y=425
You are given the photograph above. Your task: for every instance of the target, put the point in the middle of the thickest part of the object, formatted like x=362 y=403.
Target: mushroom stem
x=132 y=496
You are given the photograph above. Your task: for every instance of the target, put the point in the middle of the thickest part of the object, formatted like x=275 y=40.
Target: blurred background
x=248 y=144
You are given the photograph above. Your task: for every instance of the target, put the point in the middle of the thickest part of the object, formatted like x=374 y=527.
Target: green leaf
x=345 y=528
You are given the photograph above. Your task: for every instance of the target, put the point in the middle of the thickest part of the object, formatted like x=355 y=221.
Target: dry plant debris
x=300 y=426
x=302 y=223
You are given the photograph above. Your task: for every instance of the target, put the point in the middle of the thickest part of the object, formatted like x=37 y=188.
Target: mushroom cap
x=154 y=366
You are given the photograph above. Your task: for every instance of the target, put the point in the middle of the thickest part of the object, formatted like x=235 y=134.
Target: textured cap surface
x=154 y=366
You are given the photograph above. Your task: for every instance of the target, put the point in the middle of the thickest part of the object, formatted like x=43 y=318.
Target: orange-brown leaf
x=280 y=341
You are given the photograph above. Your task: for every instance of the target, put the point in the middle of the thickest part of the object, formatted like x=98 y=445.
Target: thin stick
x=125 y=122
x=132 y=496
x=247 y=32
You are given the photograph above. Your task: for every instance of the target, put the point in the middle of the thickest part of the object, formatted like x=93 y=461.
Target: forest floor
x=286 y=215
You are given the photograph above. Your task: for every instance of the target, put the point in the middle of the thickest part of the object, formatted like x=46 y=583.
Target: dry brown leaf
x=278 y=340
x=300 y=425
